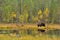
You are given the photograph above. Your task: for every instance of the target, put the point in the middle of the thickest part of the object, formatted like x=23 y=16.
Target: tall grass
x=31 y=34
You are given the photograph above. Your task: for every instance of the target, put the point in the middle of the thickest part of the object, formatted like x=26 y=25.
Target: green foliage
x=53 y=11
x=28 y=9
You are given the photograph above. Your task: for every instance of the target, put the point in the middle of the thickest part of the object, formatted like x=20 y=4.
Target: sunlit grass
x=34 y=35
x=29 y=37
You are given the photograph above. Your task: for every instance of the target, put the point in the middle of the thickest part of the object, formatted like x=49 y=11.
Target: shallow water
x=33 y=33
x=54 y=32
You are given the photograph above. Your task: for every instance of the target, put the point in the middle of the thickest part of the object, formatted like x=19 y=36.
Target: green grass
x=52 y=35
x=29 y=37
x=33 y=36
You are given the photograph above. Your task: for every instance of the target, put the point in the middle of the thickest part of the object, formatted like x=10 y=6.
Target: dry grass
x=30 y=37
x=50 y=26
